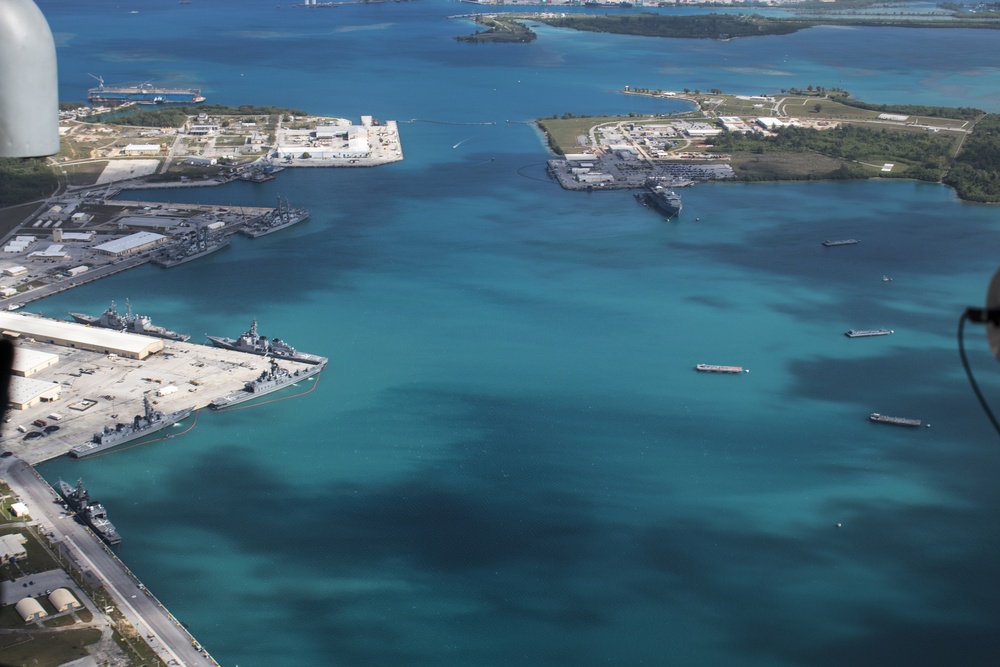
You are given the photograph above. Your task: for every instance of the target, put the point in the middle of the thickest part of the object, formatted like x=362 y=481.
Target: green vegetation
x=24 y=180
x=728 y=26
x=500 y=29
x=703 y=26
x=49 y=648
x=975 y=174
x=175 y=116
x=924 y=154
x=962 y=113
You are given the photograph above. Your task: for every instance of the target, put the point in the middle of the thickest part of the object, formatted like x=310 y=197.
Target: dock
x=899 y=421
x=713 y=368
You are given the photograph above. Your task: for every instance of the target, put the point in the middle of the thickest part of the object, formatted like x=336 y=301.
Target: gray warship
x=284 y=216
x=253 y=343
x=194 y=246
x=138 y=324
x=148 y=423
x=270 y=380
x=93 y=514
x=658 y=197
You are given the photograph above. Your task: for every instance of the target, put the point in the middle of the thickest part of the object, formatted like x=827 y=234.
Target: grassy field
x=46 y=649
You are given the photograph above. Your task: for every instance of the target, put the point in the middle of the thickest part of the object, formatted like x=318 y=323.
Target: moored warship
x=149 y=422
x=138 y=324
x=143 y=93
x=253 y=343
x=663 y=199
x=93 y=514
x=193 y=248
x=284 y=216
x=272 y=379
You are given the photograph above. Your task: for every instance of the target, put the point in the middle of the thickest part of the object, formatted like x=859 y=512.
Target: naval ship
x=143 y=93
x=90 y=512
x=138 y=324
x=280 y=218
x=193 y=247
x=665 y=200
x=272 y=379
x=148 y=423
x=253 y=343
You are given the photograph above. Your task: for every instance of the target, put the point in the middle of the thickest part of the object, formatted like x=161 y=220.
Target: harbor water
x=510 y=458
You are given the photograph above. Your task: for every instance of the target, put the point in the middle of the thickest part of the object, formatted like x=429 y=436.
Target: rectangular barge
x=899 y=421
x=862 y=333
x=713 y=368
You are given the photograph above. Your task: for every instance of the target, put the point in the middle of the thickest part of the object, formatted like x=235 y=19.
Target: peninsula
x=812 y=134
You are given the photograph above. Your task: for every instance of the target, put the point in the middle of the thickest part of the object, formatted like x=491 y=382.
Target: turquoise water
x=510 y=459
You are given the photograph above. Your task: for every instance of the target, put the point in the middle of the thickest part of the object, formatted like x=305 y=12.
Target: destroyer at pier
x=270 y=380
x=91 y=513
x=253 y=343
x=149 y=422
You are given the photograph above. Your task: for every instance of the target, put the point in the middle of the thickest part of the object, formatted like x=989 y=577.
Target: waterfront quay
x=98 y=390
x=65 y=243
x=121 y=599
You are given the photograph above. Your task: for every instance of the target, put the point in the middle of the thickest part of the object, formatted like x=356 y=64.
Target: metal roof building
x=70 y=334
x=30 y=610
x=28 y=362
x=63 y=600
x=130 y=243
x=26 y=392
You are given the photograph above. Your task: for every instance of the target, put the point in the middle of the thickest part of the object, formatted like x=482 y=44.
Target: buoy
x=840 y=525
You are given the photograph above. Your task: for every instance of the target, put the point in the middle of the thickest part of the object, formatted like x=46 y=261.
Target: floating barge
x=899 y=421
x=863 y=333
x=841 y=242
x=714 y=368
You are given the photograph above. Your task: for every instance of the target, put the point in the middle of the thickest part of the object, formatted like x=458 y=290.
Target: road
x=100 y=566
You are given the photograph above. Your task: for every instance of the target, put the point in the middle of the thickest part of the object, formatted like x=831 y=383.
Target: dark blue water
x=510 y=459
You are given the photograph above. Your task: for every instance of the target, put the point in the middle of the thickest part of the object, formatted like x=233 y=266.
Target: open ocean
x=510 y=459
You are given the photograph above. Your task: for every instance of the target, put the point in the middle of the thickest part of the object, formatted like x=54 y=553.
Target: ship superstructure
x=277 y=219
x=253 y=343
x=272 y=379
x=148 y=423
x=93 y=514
x=142 y=93
x=129 y=323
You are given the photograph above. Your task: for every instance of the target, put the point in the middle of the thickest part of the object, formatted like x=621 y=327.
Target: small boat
x=841 y=242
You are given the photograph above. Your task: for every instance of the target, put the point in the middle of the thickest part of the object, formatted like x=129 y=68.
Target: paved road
x=100 y=566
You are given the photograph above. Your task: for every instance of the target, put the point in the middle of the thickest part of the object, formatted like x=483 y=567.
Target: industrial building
x=130 y=244
x=70 y=334
x=12 y=547
x=26 y=392
x=28 y=362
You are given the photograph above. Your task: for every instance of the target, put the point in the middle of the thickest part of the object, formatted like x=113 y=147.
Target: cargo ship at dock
x=271 y=380
x=252 y=342
x=148 y=423
x=143 y=93
x=91 y=513
x=129 y=323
